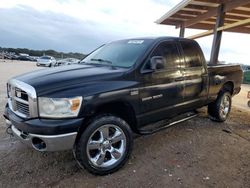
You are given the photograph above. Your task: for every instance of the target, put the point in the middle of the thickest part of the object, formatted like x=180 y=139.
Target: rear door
x=163 y=89
x=195 y=74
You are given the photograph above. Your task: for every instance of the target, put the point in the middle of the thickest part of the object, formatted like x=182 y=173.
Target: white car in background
x=47 y=61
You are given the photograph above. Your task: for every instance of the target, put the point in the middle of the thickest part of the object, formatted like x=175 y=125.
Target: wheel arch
x=121 y=109
x=228 y=86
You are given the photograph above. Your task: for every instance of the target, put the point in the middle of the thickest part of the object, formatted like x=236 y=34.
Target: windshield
x=45 y=57
x=120 y=53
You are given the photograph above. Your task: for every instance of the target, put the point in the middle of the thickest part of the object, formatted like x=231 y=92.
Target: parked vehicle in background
x=246 y=79
x=137 y=85
x=23 y=57
x=47 y=61
x=9 y=55
x=33 y=58
x=14 y=57
x=67 y=61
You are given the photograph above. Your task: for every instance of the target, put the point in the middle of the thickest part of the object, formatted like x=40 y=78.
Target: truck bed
x=219 y=74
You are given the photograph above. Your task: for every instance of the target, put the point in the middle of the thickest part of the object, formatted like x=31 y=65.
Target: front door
x=163 y=89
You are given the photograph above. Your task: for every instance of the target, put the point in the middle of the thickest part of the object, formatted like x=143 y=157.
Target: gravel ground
x=196 y=153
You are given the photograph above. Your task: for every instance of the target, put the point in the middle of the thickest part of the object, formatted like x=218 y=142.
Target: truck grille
x=22 y=99
x=22 y=108
x=18 y=101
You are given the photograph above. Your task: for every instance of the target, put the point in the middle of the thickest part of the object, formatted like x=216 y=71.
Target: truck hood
x=52 y=79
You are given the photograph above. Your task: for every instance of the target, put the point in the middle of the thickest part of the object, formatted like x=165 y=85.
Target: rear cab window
x=191 y=52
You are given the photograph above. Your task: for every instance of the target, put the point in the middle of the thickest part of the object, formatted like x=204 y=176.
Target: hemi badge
x=134 y=92
x=18 y=94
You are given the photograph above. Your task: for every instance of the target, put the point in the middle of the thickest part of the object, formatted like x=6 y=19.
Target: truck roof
x=159 y=38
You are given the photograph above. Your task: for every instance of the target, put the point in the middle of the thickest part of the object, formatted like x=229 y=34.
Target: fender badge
x=134 y=92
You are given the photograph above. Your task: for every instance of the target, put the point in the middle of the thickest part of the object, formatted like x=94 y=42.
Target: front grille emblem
x=18 y=94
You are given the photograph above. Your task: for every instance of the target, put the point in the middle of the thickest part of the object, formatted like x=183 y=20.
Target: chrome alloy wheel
x=106 y=146
x=225 y=106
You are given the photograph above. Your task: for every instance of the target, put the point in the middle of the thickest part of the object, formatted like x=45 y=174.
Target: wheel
x=220 y=109
x=105 y=145
x=248 y=103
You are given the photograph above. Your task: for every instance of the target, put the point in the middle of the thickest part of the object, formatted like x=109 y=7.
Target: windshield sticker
x=135 y=41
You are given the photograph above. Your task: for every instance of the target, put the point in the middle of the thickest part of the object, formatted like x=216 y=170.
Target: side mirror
x=157 y=63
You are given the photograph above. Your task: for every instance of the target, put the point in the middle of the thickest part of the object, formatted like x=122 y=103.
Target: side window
x=169 y=51
x=191 y=54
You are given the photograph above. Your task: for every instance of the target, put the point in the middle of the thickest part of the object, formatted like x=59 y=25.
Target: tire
x=105 y=155
x=220 y=109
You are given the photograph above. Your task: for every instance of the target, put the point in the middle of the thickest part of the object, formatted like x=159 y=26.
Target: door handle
x=179 y=79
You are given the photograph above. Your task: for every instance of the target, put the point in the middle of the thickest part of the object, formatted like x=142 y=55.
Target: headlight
x=59 y=107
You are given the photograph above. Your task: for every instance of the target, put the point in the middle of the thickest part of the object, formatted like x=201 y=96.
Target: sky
x=83 y=25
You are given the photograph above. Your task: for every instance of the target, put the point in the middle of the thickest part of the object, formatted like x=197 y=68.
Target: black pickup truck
x=129 y=86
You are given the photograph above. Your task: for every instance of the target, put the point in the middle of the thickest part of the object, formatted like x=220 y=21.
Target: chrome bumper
x=49 y=142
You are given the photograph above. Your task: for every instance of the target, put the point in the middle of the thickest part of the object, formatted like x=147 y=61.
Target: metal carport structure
x=215 y=16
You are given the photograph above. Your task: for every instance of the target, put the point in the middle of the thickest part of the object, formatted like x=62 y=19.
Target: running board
x=163 y=124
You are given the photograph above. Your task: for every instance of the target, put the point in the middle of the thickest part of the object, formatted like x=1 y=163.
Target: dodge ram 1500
x=129 y=86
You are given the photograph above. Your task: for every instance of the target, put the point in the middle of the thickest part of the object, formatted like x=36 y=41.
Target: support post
x=182 y=31
x=217 y=35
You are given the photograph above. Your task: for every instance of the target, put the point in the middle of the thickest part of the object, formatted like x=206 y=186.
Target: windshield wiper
x=99 y=60
x=102 y=60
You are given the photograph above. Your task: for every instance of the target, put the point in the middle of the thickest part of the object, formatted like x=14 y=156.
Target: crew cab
x=129 y=86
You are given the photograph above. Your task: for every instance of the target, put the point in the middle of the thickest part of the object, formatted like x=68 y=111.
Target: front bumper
x=44 y=134
x=46 y=142
x=43 y=64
